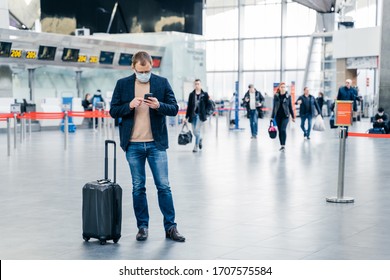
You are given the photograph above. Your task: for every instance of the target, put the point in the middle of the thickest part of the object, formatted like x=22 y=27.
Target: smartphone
x=147 y=95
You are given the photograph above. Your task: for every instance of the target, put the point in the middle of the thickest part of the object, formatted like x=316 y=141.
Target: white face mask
x=143 y=77
x=380 y=114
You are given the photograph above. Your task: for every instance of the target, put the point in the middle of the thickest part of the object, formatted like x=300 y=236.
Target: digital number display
x=31 y=54
x=82 y=58
x=93 y=59
x=16 y=53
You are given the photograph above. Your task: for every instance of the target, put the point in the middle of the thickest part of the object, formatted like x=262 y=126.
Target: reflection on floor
x=236 y=199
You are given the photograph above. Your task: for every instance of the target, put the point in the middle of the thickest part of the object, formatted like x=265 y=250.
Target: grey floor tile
x=236 y=199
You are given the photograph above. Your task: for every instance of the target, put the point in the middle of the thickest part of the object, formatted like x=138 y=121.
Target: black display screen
x=70 y=55
x=125 y=59
x=106 y=57
x=5 y=49
x=46 y=53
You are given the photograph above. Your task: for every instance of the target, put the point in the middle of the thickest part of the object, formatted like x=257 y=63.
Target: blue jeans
x=307 y=117
x=196 y=127
x=137 y=153
x=253 y=120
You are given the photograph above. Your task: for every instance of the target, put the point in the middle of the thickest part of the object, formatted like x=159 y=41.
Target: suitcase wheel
x=102 y=241
x=85 y=238
x=116 y=240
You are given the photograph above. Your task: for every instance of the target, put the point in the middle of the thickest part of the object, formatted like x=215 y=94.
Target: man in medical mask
x=142 y=101
x=381 y=120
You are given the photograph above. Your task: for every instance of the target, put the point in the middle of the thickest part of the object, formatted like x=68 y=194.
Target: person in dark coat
x=281 y=112
x=86 y=103
x=144 y=137
x=196 y=113
x=320 y=100
x=307 y=110
x=347 y=92
x=381 y=120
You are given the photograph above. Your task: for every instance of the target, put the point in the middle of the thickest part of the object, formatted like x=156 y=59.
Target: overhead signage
x=93 y=59
x=82 y=58
x=31 y=54
x=16 y=53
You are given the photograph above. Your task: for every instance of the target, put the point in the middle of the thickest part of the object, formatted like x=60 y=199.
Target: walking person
x=320 y=100
x=253 y=100
x=144 y=137
x=196 y=113
x=281 y=112
x=307 y=109
x=348 y=93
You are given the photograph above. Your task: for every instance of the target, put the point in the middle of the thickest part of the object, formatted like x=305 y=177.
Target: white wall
x=356 y=42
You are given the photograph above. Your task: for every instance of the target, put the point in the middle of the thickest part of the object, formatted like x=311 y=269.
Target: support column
x=240 y=46
x=78 y=82
x=31 y=81
x=384 y=58
x=4 y=14
x=283 y=41
x=5 y=81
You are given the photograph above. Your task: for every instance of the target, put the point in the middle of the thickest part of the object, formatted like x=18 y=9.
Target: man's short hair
x=251 y=86
x=142 y=57
x=381 y=110
x=197 y=80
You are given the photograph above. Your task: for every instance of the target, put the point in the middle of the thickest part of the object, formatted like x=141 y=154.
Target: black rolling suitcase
x=102 y=206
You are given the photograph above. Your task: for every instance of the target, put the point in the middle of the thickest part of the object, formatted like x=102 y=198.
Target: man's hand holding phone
x=151 y=101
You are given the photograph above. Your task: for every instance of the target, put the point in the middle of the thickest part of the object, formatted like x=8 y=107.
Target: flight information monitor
x=125 y=59
x=5 y=49
x=106 y=57
x=71 y=55
x=46 y=53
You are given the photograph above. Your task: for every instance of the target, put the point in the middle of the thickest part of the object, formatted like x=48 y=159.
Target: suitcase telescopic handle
x=106 y=159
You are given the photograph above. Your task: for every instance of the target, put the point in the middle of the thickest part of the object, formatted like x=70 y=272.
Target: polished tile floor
x=236 y=199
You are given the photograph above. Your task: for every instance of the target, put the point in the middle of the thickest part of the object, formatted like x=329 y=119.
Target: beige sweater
x=142 y=131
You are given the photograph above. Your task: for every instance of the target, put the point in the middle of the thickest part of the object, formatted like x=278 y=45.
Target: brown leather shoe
x=173 y=234
x=142 y=234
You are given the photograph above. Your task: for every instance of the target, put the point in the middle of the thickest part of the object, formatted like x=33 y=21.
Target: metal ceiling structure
x=321 y=6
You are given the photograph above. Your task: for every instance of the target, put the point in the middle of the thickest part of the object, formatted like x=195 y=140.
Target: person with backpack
x=198 y=109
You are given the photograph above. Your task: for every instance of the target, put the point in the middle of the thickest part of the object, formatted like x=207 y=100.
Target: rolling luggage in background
x=102 y=206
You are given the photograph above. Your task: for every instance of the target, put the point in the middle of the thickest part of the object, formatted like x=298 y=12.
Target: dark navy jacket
x=348 y=94
x=204 y=99
x=313 y=106
x=120 y=108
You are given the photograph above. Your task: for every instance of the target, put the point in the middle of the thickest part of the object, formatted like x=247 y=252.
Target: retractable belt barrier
x=48 y=116
x=6 y=117
x=357 y=134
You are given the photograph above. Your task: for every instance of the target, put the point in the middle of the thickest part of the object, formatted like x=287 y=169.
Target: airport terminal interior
x=237 y=198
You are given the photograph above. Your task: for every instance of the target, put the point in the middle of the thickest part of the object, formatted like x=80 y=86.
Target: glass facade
x=264 y=40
